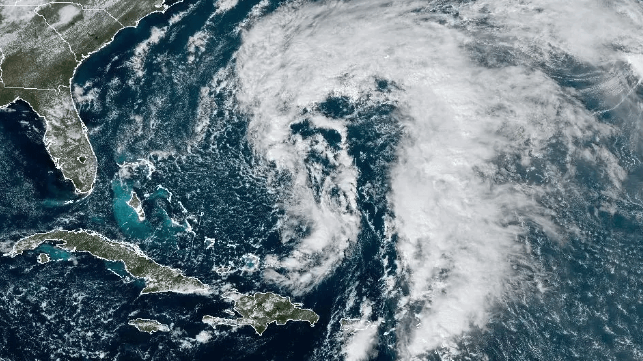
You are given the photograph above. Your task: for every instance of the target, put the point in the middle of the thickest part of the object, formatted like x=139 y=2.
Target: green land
x=43 y=258
x=137 y=206
x=41 y=44
x=157 y=278
x=149 y=326
x=261 y=309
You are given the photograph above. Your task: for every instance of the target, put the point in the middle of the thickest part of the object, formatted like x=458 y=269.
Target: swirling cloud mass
x=469 y=92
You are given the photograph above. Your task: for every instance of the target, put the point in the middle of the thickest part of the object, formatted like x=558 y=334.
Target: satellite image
x=321 y=180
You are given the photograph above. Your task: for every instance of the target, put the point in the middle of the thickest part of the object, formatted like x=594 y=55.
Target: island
x=135 y=203
x=157 y=278
x=41 y=45
x=261 y=309
x=350 y=325
x=348 y=322
x=149 y=326
x=43 y=258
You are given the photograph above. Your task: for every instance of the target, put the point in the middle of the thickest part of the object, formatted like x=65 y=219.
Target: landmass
x=41 y=45
x=261 y=309
x=136 y=205
x=43 y=258
x=157 y=278
x=149 y=326
x=348 y=322
x=354 y=324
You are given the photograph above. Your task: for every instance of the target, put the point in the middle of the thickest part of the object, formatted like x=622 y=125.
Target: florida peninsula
x=41 y=45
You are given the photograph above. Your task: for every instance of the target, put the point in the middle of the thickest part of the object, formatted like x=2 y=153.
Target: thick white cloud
x=457 y=228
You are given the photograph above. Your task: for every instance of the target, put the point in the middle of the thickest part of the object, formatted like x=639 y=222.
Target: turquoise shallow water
x=125 y=215
x=55 y=253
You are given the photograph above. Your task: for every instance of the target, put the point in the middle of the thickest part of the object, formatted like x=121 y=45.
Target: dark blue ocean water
x=77 y=307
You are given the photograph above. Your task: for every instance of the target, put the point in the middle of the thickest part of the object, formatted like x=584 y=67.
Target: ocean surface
x=462 y=179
